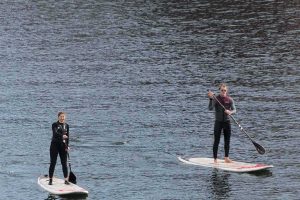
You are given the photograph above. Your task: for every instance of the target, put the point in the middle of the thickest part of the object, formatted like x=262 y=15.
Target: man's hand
x=210 y=94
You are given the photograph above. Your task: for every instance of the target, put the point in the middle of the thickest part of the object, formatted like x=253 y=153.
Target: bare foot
x=227 y=160
x=215 y=161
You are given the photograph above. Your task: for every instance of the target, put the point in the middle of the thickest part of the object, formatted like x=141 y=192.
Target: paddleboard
x=233 y=167
x=59 y=187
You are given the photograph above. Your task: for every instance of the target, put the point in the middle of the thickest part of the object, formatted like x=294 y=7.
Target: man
x=222 y=119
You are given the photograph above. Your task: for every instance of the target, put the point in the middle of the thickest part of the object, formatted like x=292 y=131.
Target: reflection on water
x=262 y=173
x=51 y=197
x=67 y=197
x=220 y=186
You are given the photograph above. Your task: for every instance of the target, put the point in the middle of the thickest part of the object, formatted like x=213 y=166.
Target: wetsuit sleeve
x=67 y=140
x=233 y=108
x=211 y=104
x=56 y=131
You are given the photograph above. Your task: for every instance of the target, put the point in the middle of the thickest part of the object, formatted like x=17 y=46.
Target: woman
x=222 y=121
x=59 y=146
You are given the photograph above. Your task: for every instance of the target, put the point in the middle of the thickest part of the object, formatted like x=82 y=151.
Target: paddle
x=72 y=177
x=260 y=149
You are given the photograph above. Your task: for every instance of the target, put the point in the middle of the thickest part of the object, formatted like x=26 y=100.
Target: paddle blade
x=260 y=149
x=72 y=177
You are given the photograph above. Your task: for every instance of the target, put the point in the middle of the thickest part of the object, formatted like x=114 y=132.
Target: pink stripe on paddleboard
x=250 y=167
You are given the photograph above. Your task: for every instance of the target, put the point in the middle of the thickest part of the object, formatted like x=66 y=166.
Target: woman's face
x=62 y=118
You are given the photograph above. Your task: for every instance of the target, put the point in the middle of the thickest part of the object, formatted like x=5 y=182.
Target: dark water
x=132 y=77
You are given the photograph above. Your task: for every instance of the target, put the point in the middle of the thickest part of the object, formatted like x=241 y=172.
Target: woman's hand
x=67 y=148
x=228 y=112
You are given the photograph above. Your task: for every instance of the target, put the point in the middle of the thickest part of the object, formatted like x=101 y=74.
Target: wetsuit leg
x=217 y=135
x=63 y=160
x=53 y=158
x=227 y=134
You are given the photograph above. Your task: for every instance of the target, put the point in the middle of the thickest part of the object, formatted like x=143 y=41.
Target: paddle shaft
x=69 y=161
x=258 y=147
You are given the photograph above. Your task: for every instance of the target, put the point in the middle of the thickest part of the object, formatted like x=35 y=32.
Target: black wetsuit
x=59 y=147
x=222 y=122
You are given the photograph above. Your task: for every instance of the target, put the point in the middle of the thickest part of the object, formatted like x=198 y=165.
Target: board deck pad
x=235 y=166
x=59 y=187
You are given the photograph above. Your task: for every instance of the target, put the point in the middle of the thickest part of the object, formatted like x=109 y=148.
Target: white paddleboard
x=59 y=187
x=233 y=167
